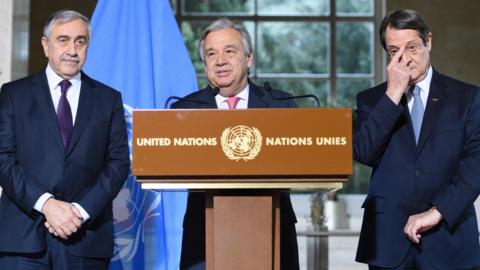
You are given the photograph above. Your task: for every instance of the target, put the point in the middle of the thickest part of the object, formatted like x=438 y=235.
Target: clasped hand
x=63 y=219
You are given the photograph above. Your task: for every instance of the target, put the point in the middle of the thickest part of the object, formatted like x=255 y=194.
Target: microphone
x=215 y=92
x=269 y=89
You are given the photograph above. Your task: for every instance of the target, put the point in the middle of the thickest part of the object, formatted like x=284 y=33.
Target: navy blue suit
x=193 y=243
x=443 y=170
x=33 y=161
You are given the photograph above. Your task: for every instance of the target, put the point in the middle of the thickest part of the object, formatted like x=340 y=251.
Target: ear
x=429 y=41
x=45 y=46
x=250 y=60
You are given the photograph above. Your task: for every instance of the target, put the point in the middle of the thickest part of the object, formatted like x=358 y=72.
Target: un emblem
x=241 y=142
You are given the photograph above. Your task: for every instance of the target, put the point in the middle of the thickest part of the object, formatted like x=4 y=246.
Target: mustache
x=70 y=58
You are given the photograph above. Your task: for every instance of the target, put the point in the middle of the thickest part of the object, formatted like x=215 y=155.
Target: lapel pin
x=435 y=99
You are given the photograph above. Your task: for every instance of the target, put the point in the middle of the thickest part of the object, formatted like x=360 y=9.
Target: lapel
x=256 y=97
x=84 y=111
x=205 y=95
x=41 y=94
x=435 y=102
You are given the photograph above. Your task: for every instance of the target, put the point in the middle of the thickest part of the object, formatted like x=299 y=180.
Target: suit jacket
x=443 y=170
x=193 y=246
x=33 y=161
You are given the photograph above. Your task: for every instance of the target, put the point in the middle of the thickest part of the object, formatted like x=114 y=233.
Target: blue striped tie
x=417 y=112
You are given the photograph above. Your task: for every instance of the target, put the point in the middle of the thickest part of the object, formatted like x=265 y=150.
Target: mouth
x=223 y=73
x=70 y=62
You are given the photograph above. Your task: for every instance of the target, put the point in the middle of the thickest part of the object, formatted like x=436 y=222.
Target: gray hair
x=225 y=24
x=65 y=16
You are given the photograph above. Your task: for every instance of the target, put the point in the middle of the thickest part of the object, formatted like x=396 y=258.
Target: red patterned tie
x=232 y=102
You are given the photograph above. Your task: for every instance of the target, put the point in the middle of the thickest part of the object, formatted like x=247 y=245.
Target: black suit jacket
x=193 y=246
x=443 y=170
x=33 y=161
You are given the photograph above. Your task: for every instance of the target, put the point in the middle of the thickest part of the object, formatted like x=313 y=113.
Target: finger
x=67 y=230
x=62 y=235
x=398 y=56
x=76 y=211
x=47 y=225
x=72 y=228
x=404 y=61
x=77 y=222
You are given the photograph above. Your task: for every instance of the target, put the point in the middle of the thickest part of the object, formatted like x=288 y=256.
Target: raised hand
x=398 y=76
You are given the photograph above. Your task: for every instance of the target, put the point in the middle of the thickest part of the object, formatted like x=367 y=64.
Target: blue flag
x=137 y=48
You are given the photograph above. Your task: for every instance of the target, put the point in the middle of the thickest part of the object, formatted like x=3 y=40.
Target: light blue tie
x=417 y=112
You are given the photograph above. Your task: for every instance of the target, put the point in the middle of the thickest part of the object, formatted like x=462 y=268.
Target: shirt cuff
x=84 y=213
x=41 y=201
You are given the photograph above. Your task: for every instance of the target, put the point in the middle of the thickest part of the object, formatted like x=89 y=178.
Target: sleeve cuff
x=84 y=213
x=41 y=201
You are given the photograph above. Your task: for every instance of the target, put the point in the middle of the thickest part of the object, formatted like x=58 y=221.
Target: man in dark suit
x=226 y=50
x=420 y=133
x=63 y=158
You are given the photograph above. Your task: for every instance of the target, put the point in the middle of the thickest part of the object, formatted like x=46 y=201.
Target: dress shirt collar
x=242 y=103
x=54 y=79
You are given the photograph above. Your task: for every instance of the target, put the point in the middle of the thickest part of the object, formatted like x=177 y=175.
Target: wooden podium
x=242 y=159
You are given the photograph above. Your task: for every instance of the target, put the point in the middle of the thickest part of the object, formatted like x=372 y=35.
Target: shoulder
x=455 y=84
x=25 y=82
x=197 y=94
x=99 y=87
x=200 y=95
x=270 y=98
x=373 y=93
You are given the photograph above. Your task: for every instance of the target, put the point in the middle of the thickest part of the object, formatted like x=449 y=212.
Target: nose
x=406 y=56
x=221 y=59
x=72 y=49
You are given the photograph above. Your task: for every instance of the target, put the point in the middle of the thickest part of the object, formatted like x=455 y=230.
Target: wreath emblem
x=241 y=142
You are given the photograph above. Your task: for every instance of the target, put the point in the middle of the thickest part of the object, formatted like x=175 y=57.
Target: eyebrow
x=70 y=37
x=409 y=43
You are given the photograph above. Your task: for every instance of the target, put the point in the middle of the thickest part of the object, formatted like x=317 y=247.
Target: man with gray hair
x=226 y=50
x=63 y=158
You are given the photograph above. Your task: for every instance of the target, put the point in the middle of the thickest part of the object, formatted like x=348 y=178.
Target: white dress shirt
x=424 y=90
x=242 y=103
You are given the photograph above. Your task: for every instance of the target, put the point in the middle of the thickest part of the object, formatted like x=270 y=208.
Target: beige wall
x=6 y=32
x=456 y=34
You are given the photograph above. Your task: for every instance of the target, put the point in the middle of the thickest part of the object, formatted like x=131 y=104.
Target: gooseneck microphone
x=269 y=89
x=182 y=99
x=215 y=92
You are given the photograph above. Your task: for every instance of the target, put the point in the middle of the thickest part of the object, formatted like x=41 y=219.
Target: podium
x=242 y=160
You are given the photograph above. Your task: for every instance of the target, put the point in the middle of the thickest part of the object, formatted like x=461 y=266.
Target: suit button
x=66 y=164
x=418 y=172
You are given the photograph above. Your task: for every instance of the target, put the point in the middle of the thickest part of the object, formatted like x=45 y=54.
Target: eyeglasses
x=411 y=48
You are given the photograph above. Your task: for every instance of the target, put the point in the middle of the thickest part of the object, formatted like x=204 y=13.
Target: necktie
x=64 y=114
x=232 y=102
x=417 y=112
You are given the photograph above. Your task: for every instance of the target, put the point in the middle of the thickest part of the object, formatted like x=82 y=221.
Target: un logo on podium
x=241 y=142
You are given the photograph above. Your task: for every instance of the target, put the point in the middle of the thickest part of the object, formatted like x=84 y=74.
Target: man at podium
x=226 y=50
